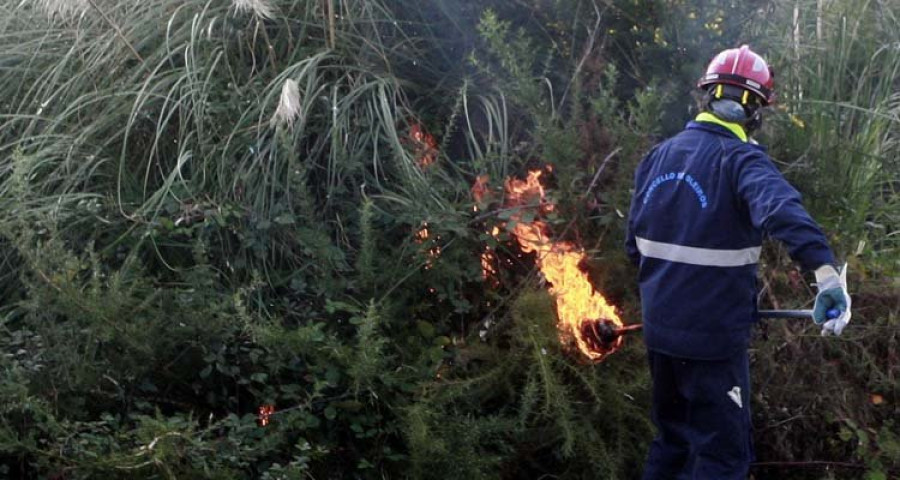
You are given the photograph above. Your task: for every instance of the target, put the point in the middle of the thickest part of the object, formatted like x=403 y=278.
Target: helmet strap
x=754 y=123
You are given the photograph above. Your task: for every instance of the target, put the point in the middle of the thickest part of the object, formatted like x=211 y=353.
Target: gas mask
x=747 y=116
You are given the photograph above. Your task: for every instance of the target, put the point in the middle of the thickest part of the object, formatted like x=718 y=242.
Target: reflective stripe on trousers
x=705 y=257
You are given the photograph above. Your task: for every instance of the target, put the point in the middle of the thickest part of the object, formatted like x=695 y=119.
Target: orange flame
x=488 y=270
x=576 y=300
x=481 y=192
x=423 y=236
x=265 y=411
x=480 y=188
x=424 y=146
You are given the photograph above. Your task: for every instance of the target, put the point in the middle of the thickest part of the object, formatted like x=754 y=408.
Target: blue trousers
x=701 y=410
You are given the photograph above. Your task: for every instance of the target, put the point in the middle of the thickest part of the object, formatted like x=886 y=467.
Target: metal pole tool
x=831 y=314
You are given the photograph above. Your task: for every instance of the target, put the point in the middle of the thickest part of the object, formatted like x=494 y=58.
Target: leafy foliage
x=213 y=207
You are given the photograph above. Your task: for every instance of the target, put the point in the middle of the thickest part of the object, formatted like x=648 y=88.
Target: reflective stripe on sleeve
x=705 y=257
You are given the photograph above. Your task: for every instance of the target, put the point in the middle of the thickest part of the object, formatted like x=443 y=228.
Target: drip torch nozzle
x=601 y=334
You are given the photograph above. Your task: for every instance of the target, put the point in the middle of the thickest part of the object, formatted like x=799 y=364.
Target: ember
x=265 y=411
x=423 y=237
x=424 y=146
x=481 y=193
x=488 y=271
x=480 y=189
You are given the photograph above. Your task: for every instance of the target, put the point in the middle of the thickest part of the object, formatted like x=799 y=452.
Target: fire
x=481 y=192
x=265 y=411
x=423 y=237
x=424 y=146
x=488 y=270
x=480 y=189
x=422 y=234
x=576 y=300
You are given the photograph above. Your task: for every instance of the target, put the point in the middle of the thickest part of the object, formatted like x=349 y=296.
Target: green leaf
x=889 y=445
x=425 y=328
x=333 y=306
x=285 y=219
x=313 y=421
x=330 y=412
x=333 y=376
x=845 y=434
x=863 y=437
x=875 y=475
x=166 y=223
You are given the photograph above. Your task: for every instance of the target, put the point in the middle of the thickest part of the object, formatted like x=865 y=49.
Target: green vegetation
x=207 y=207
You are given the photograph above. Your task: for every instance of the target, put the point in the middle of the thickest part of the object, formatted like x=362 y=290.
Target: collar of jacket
x=737 y=130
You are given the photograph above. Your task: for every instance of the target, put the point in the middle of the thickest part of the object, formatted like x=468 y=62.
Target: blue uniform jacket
x=703 y=200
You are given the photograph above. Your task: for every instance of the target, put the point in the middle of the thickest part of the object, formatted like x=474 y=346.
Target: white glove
x=832 y=295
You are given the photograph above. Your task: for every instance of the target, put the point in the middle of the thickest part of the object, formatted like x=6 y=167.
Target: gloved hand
x=832 y=295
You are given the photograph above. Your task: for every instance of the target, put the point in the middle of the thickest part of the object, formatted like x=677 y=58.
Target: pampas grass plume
x=289 y=108
x=260 y=8
x=63 y=8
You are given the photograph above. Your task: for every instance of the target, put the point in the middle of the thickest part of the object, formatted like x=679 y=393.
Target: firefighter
x=702 y=202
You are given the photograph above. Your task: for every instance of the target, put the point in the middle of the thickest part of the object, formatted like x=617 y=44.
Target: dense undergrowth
x=209 y=207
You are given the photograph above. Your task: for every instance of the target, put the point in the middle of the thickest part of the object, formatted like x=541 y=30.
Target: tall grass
x=835 y=132
x=158 y=109
x=838 y=65
x=210 y=205
x=187 y=189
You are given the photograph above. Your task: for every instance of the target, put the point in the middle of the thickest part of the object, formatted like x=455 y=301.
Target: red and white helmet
x=742 y=68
